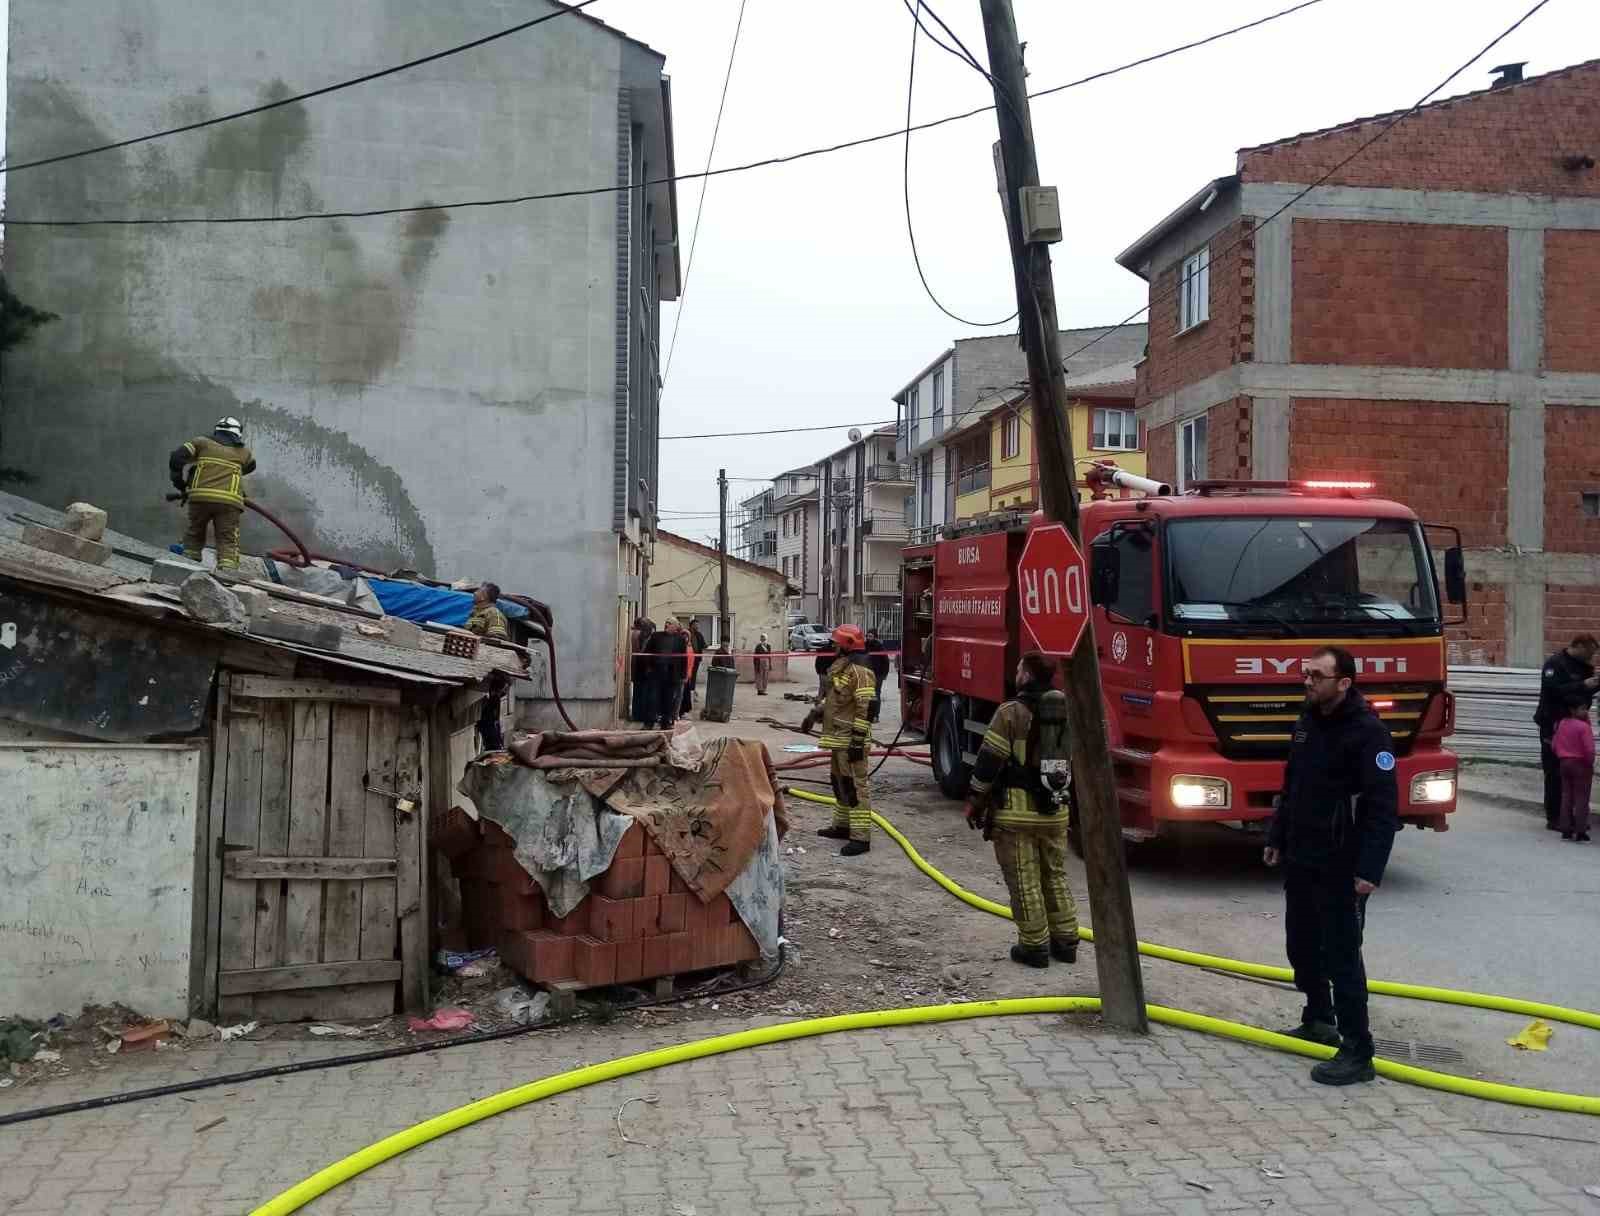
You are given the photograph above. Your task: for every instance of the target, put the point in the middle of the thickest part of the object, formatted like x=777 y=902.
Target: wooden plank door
x=321 y=866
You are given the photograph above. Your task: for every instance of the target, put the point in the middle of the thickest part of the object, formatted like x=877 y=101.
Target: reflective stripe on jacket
x=218 y=471
x=848 y=689
x=1004 y=752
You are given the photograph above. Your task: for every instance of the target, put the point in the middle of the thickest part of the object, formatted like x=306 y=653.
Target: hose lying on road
x=326 y=1179
x=1216 y=962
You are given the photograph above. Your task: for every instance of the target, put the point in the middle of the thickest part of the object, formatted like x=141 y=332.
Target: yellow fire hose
x=324 y=1180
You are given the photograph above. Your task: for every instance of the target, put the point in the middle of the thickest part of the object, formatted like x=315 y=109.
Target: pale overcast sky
x=803 y=305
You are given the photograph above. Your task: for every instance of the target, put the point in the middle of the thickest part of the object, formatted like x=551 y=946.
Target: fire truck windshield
x=1280 y=570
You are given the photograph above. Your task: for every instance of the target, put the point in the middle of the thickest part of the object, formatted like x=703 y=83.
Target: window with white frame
x=1192 y=452
x=938 y=403
x=912 y=404
x=1194 y=289
x=1114 y=431
x=1011 y=436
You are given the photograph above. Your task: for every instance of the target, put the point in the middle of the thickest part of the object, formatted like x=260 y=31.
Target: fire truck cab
x=1204 y=607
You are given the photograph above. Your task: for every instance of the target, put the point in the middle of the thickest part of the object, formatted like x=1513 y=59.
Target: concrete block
x=86 y=520
x=172 y=571
x=256 y=600
x=65 y=544
x=402 y=632
x=301 y=633
x=207 y=600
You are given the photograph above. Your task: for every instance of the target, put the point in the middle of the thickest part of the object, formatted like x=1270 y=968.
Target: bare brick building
x=1428 y=319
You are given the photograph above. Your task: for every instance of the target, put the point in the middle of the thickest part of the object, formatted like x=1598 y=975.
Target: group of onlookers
x=1567 y=687
x=665 y=666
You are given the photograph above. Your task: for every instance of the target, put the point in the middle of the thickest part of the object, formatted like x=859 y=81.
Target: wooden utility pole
x=1116 y=952
x=724 y=624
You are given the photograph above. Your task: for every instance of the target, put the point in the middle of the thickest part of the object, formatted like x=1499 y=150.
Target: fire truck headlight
x=1433 y=787
x=1195 y=793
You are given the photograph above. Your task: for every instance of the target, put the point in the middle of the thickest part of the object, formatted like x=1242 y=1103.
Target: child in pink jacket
x=1574 y=748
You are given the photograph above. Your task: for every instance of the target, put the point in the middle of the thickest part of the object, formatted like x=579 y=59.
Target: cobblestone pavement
x=1002 y=1116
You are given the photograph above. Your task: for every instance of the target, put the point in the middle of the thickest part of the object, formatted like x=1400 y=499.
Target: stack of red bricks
x=639 y=920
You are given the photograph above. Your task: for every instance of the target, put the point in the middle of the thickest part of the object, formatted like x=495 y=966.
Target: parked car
x=810 y=637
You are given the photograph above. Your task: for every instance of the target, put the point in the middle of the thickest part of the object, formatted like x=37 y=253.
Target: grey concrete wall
x=96 y=905
x=432 y=390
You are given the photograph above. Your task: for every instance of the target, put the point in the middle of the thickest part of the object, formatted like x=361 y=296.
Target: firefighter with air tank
x=1019 y=796
x=848 y=689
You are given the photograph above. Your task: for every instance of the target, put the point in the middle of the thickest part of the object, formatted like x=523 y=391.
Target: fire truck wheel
x=948 y=768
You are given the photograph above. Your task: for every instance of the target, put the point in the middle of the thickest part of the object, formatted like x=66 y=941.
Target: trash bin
x=718 y=705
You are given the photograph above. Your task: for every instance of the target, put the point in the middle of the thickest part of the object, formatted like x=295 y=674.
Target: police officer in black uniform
x=1567 y=678
x=1332 y=832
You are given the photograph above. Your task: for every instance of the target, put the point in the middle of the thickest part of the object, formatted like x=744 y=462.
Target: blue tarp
x=414 y=602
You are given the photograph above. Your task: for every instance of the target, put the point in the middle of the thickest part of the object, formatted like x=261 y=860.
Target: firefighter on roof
x=1020 y=786
x=213 y=489
x=848 y=689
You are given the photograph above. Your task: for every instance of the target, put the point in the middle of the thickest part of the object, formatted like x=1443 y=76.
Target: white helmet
x=229 y=426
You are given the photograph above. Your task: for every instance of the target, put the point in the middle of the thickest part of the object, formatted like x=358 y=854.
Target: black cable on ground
x=370 y=1057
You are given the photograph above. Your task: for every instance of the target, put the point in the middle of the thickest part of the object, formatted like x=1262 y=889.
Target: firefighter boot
x=834 y=832
x=1031 y=956
x=1064 y=949
x=855 y=848
x=1344 y=1069
x=1316 y=1032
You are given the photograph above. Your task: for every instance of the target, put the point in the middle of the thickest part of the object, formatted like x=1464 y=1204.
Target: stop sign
x=1053 y=587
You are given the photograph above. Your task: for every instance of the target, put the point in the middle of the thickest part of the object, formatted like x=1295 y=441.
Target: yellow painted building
x=990 y=461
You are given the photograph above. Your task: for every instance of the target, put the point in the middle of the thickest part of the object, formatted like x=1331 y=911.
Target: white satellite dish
x=855 y=434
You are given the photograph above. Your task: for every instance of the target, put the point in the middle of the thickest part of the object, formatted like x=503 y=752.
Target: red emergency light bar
x=1216 y=486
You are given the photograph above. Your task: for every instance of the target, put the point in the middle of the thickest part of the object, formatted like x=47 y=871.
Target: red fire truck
x=1204 y=607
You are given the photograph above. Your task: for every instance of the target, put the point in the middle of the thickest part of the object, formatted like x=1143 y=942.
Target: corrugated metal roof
x=124 y=578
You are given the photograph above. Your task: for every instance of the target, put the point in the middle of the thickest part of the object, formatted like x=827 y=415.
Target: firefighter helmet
x=229 y=426
x=849 y=637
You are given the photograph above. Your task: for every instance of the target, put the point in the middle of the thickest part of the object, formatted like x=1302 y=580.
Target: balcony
x=974 y=477
x=881 y=584
x=890 y=474
x=763 y=548
x=880 y=524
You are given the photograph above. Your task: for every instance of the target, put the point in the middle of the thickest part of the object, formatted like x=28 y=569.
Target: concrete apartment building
x=469 y=393
x=948 y=392
x=796 y=499
x=756 y=530
x=1426 y=320
x=992 y=458
x=863 y=489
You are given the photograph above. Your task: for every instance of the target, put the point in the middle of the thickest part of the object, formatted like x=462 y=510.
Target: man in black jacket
x=1567 y=677
x=669 y=666
x=1333 y=830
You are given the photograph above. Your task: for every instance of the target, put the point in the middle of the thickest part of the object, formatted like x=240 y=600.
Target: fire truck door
x=1127 y=617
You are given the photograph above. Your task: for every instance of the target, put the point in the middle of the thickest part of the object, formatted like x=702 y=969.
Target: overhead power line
x=1382 y=131
x=905 y=167
x=588 y=191
x=298 y=97
x=786 y=430
x=700 y=207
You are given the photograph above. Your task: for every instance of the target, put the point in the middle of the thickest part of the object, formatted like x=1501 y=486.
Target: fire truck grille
x=1258 y=724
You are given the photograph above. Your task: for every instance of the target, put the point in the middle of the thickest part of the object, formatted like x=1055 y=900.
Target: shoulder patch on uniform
x=1385 y=761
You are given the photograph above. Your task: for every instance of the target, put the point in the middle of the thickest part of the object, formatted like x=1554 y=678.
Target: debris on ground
x=146 y=1037
x=229 y=1033
x=521 y=1004
x=649 y=1099
x=325 y=1029
x=468 y=964
x=17 y=1039
x=442 y=1019
x=1535 y=1036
